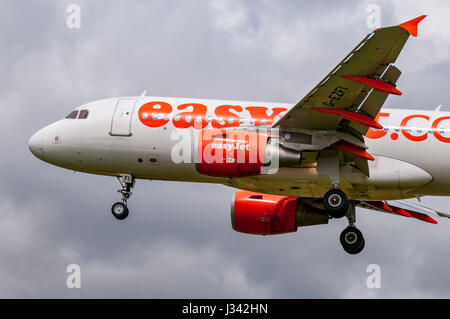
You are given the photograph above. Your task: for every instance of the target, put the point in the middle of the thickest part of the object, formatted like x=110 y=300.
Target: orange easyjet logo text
x=413 y=134
x=156 y=114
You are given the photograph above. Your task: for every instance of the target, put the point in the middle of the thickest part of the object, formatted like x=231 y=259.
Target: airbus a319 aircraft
x=295 y=165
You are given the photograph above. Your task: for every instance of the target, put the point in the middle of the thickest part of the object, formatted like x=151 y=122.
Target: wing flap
x=375 y=99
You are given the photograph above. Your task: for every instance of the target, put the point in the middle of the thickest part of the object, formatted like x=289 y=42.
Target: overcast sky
x=178 y=241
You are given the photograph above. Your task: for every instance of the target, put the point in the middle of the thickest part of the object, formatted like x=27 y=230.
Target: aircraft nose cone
x=36 y=145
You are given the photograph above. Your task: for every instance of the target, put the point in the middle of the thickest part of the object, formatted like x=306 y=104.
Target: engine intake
x=264 y=214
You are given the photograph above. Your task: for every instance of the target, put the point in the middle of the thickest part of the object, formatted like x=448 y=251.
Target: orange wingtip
x=411 y=25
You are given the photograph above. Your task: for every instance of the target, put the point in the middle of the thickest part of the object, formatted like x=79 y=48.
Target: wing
x=345 y=103
x=403 y=208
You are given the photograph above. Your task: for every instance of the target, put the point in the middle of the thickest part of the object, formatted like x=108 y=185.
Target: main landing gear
x=336 y=203
x=352 y=240
x=120 y=209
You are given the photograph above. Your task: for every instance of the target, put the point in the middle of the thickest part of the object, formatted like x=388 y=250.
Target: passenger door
x=121 y=121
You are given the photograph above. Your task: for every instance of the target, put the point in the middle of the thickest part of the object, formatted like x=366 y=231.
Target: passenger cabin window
x=83 y=114
x=72 y=115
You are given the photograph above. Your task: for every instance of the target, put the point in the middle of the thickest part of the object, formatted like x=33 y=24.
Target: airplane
x=295 y=165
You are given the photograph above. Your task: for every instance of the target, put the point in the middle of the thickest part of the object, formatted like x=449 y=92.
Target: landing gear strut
x=120 y=209
x=352 y=240
x=335 y=201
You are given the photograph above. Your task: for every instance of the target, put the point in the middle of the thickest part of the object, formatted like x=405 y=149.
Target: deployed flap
x=392 y=74
x=375 y=99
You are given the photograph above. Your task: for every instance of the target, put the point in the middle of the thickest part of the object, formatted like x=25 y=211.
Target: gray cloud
x=178 y=241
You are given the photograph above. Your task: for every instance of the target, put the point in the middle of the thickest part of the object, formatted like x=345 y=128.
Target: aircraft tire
x=336 y=203
x=119 y=210
x=352 y=240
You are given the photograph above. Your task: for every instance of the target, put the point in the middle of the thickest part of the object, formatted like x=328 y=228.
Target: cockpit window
x=72 y=115
x=83 y=114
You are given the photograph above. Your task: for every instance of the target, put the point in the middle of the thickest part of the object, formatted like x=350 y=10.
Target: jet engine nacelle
x=264 y=214
x=227 y=153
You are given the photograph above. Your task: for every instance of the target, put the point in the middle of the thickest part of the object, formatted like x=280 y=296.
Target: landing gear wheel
x=119 y=210
x=336 y=203
x=352 y=240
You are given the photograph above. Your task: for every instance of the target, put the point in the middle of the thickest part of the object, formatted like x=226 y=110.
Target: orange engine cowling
x=227 y=153
x=264 y=214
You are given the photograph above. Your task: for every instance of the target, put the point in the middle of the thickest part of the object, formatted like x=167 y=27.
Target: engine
x=226 y=153
x=264 y=214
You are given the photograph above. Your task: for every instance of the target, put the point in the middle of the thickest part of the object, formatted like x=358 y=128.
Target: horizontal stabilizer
x=404 y=208
x=418 y=208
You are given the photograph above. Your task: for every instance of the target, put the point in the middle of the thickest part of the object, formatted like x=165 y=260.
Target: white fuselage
x=120 y=135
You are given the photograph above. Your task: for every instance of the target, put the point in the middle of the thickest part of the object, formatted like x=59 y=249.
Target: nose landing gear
x=120 y=209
